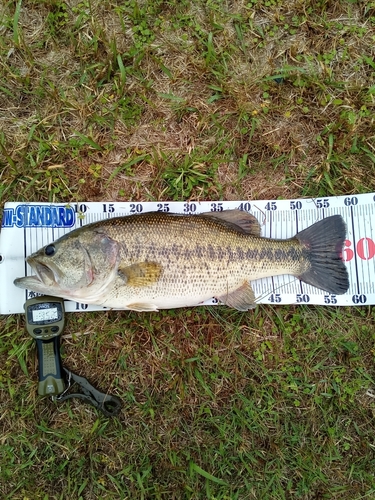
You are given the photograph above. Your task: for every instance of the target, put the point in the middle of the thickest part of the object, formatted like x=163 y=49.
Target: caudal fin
x=323 y=244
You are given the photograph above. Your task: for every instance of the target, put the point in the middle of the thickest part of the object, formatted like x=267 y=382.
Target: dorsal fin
x=238 y=220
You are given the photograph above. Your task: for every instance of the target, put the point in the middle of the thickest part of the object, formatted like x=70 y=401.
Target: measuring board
x=26 y=227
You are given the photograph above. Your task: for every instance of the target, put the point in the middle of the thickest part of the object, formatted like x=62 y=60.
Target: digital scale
x=45 y=321
x=26 y=227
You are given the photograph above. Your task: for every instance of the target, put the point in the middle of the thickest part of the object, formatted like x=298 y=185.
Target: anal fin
x=242 y=298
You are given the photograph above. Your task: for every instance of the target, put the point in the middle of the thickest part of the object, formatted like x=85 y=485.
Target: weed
x=184 y=178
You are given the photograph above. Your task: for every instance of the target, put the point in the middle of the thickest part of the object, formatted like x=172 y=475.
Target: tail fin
x=323 y=243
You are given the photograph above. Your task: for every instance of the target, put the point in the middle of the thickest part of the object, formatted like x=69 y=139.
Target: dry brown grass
x=318 y=42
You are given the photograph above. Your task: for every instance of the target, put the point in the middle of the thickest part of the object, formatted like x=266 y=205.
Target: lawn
x=109 y=100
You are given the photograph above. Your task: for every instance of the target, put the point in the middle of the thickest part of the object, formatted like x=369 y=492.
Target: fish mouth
x=43 y=279
x=44 y=274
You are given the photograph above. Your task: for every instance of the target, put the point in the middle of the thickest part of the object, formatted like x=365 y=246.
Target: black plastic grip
x=50 y=371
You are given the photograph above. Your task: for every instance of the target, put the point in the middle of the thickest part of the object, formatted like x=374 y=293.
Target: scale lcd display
x=42 y=315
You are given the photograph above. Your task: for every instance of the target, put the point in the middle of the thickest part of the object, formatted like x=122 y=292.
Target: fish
x=158 y=260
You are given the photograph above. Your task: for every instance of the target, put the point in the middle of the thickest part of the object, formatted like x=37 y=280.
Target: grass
x=140 y=100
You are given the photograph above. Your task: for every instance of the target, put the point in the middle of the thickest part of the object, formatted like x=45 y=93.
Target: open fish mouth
x=44 y=274
x=43 y=279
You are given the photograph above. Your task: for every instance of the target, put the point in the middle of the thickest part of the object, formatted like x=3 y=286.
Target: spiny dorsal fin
x=238 y=220
x=140 y=274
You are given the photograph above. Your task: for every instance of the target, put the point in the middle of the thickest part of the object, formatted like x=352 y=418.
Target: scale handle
x=50 y=371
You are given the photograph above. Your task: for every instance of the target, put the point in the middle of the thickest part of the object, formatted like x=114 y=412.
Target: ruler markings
x=355 y=253
x=279 y=220
x=272 y=279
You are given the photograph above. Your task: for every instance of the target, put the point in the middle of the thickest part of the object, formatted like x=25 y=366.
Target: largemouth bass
x=158 y=260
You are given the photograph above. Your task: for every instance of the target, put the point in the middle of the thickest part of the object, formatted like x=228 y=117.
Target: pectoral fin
x=140 y=274
x=142 y=307
x=242 y=298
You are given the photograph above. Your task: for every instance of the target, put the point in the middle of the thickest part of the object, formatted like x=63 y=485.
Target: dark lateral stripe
x=211 y=253
x=274 y=255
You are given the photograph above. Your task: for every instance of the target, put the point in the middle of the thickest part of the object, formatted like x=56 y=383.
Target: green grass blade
x=171 y=97
x=89 y=141
x=122 y=70
x=126 y=165
x=16 y=34
x=194 y=467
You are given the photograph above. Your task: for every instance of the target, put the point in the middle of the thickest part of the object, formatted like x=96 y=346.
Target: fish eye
x=49 y=250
